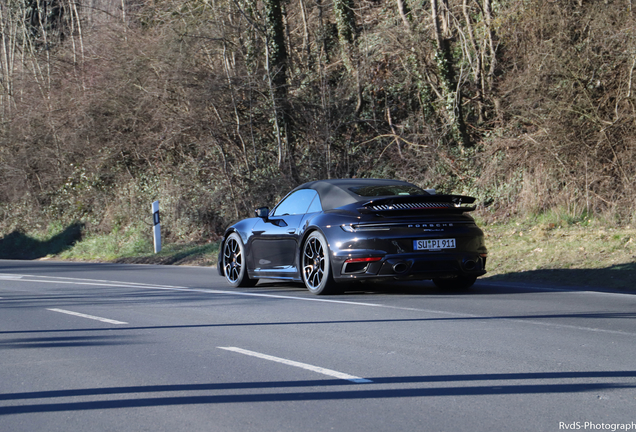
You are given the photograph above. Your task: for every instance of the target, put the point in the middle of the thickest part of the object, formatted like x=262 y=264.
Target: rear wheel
x=316 y=266
x=455 y=283
x=234 y=262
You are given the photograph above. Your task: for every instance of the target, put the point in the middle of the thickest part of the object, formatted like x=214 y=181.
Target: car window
x=387 y=190
x=315 y=206
x=296 y=203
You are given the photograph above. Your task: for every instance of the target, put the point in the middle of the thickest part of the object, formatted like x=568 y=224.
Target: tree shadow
x=66 y=342
x=319 y=390
x=18 y=245
x=616 y=277
x=35 y=342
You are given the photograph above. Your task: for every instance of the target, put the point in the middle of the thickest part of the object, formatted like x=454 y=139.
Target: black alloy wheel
x=316 y=266
x=234 y=262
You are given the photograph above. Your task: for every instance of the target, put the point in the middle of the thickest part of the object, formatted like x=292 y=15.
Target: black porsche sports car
x=329 y=232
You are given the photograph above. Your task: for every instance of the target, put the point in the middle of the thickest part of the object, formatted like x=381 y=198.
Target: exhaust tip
x=470 y=265
x=400 y=267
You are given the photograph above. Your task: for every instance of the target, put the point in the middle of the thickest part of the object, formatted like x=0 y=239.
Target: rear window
x=387 y=190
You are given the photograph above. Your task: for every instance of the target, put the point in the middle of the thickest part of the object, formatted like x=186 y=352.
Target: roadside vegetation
x=551 y=249
x=562 y=251
x=216 y=107
x=134 y=245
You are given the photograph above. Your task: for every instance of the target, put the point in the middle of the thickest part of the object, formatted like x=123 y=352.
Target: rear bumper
x=411 y=266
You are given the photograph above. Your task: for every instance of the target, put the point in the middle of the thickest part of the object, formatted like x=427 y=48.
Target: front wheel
x=455 y=283
x=316 y=265
x=234 y=262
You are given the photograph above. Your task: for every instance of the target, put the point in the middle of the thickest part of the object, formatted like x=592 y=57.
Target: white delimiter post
x=156 y=229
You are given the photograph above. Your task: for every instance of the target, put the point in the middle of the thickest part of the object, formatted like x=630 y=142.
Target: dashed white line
x=97 y=282
x=118 y=284
x=317 y=369
x=96 y=318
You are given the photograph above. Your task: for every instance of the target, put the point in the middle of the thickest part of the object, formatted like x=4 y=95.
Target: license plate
x=434 y=244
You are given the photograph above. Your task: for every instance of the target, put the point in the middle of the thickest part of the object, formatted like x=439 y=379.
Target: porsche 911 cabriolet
x=329 y=232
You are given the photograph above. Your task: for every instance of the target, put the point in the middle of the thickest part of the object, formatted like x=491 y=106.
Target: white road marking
x=98 y=282
x=86 y=282
x=317 y=369
x=96 y=318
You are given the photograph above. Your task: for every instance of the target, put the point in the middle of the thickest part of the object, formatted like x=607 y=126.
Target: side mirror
x=262 y=212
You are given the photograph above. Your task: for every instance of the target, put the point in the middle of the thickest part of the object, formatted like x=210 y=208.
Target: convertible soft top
x=338 y=192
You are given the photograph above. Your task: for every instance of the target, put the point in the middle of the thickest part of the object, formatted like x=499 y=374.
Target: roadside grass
x=550 y=249
x=134 y=245
x=564 y=251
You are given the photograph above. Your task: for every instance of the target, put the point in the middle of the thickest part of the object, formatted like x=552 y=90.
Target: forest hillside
x=216 y=107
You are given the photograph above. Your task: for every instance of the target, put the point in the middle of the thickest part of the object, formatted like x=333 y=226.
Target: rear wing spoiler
x=419 y=203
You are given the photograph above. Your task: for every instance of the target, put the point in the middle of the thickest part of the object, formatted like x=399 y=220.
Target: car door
x=274 y=240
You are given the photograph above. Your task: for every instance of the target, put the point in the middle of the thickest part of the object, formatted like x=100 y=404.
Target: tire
x=316 y=266
x=455 y=283
x=234 y=263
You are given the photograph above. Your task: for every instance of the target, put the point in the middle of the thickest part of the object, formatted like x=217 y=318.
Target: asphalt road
x=102 y=347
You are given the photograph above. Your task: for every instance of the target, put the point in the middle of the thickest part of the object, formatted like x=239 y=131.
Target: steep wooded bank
x=219 y=106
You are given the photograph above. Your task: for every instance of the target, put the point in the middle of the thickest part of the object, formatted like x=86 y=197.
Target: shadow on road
x=115 y=335
x=618 y=277
x=65 y=342
x=18 y=245
x=380 y=387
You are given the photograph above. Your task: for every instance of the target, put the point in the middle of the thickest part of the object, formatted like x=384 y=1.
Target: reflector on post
x=156 y=229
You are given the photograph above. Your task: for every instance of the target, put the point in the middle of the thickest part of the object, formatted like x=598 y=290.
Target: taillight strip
x=367 y=259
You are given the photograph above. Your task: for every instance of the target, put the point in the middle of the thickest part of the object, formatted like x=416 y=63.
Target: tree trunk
x=276 y=63
x=450 y=89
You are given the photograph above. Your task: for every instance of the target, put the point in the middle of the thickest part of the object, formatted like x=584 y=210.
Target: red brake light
x=358 y=260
